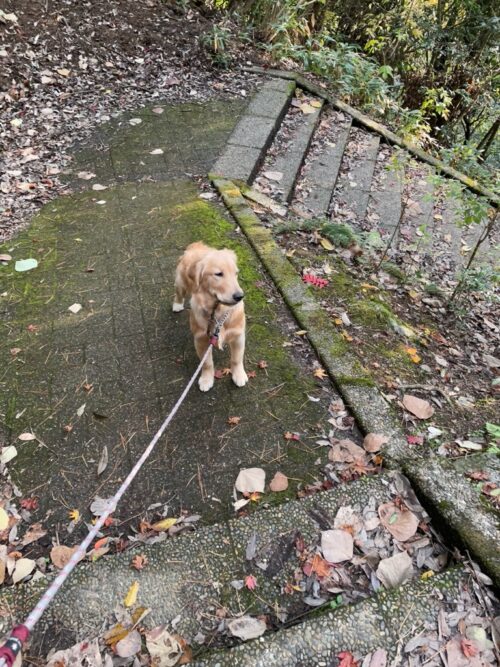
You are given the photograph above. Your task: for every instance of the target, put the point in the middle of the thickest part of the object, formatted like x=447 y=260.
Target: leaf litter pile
x=66 y=67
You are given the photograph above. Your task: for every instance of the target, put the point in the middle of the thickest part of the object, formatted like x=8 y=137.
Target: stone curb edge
x=374 y=126
x=447 y=496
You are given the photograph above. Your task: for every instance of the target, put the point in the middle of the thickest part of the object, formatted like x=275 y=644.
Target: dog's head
x=217 y=275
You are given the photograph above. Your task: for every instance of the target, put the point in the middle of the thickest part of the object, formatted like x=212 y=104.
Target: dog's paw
x=205 y=383
x=177 y=307
x=240 y=378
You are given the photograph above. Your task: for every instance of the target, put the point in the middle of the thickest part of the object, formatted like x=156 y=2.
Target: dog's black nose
x=238 y=296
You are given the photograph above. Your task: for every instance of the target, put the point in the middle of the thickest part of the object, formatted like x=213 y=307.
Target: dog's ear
x=196 y=274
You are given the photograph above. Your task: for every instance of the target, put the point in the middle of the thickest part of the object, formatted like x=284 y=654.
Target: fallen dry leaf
x=164 y=648
x=320 y=373
x=129 y=645
x=24 y=567
x=419 y=407
x=233 y=421
x=26 y=437
x=164 y=524
x=279 y=483
x=373 y=442
x=337 y=545
x=394 y=571
x=251 y=480
x=60 y=555
x=131 y=597
x=139 y=562
x=402 y=525
x=246 y=627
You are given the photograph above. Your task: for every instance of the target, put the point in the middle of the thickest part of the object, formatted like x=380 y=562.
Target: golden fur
x=210 y=277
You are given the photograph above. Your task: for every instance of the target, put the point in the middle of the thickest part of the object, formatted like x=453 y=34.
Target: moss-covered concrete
x=118 y=260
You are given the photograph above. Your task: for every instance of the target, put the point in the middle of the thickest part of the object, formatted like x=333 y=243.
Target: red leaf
x=347 y=660
x=469 y=648
x=415 y=439
x=100 y=543
x=30 y=504
x=139 y=561
x=262 y=363
x=250 y=582
x=314 y=280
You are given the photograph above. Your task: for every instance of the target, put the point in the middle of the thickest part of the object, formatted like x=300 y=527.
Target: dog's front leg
x=206 y=380
x=237 y=345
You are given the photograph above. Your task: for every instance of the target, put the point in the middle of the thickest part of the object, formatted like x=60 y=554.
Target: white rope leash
x=20 y=633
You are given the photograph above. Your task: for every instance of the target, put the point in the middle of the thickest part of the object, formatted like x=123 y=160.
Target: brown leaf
x=401 y=524
x=469 y=647
x=233 y=421
x=34 y=533
x=139 y=562
x=320 y=373
x=60 y=555
x=373 y=442
x=262 y=364
x=291 y=436
x=417 y=406
x=279 y=482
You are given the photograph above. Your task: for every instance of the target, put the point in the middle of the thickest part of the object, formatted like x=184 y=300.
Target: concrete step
x=290 y=148
x=387 y=621
x=320 y=172
x=352 y=193
x=191 y=578
x=384 y=207
x=255 y=131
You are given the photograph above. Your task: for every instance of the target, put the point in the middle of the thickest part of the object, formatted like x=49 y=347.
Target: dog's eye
x=219 y=274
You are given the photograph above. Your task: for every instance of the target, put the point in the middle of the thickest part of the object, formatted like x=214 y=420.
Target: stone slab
x=354 y=192
x=290 y=161
x=323 y=173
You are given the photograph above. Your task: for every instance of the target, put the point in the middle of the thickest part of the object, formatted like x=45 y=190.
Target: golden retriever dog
x=210 y=278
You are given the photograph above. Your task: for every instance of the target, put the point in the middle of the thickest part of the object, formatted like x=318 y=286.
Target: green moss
x=371 y=313
x=394 y=270
x=339 y=234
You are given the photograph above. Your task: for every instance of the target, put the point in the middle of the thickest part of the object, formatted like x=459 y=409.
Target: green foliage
x=338 y=233
x=216 y=42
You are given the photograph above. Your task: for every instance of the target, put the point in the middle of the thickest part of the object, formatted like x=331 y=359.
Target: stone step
x=288 y=156
x=320 y=172
x=387 y=621
x=255 y=131
x=352 y=193
x=384 y=207
x=189 y=577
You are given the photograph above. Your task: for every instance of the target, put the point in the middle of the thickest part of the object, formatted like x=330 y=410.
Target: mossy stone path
x=106 y=376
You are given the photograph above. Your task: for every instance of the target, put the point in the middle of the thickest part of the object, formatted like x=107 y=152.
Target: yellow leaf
x=131 y=596
x=291 y=253
x=338 y=321
x=163 y=525
x=411 y=350
x=302 y=332
x=4 y=519
x=346 y=336
x=415 y=358
x=316 y=104
x=307 y=108
x=115 y=634
x=327 y=245
x=74 y=515
x=368 y=286
x=320 y=373
x=426 y=575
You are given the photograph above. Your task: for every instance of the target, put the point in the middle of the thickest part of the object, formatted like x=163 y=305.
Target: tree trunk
x=485 y=144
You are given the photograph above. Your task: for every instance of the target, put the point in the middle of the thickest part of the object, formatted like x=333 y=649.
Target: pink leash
x=19 y=635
